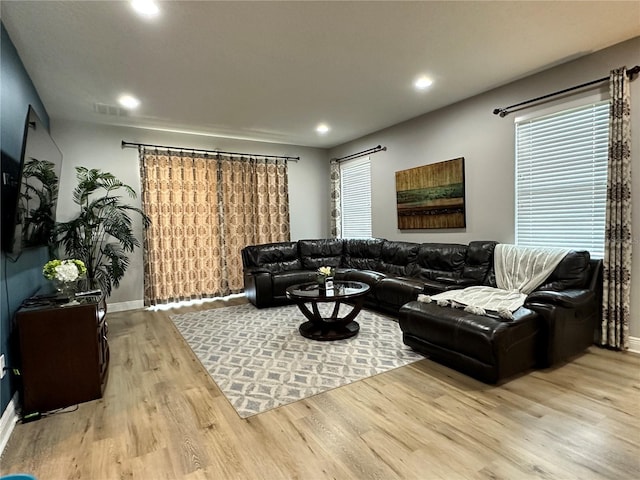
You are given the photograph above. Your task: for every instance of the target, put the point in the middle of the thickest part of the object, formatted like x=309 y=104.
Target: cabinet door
x=60 y=358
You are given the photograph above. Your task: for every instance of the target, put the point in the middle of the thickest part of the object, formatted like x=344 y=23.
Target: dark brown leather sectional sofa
x=557 y=321
x=396 y=271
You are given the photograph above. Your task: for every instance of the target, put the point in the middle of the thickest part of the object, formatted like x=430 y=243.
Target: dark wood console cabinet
x=64 y=353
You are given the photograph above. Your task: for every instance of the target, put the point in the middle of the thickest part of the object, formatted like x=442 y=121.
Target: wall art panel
x=431 y=196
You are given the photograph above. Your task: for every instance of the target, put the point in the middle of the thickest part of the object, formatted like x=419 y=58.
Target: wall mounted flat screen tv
x=30 y=189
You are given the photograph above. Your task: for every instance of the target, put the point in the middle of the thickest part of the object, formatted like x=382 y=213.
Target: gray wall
x=469 y=129
x=99 y=146
x=22 y=275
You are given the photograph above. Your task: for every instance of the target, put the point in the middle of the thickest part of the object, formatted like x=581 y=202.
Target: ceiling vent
x=104 y=109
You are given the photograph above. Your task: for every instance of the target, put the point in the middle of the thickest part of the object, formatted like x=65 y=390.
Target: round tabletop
x=342 y=290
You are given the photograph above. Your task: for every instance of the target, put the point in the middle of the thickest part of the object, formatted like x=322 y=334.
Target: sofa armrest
x=572 y=298
x=568 y=321
x=258 y=288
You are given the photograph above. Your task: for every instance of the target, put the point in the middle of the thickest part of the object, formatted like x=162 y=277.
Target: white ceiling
x=271 y=71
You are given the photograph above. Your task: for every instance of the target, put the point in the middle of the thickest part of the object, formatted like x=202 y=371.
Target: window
x=355 y=186
x=561 y=179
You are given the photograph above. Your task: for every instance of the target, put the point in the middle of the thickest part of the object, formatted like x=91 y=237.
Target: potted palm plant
x=101 y=235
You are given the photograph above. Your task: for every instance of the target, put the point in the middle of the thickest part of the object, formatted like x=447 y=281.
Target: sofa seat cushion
x=486 y=347
x=398 y=290
x=283 y=280
x=443 y=284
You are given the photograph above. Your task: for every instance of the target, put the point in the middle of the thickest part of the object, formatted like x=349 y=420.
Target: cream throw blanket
x=519 y=271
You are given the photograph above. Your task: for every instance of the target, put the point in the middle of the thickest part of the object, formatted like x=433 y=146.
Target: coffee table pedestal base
x=328 y=324
x=316 y=331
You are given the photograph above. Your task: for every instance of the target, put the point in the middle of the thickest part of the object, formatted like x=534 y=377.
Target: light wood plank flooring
x=162 y=417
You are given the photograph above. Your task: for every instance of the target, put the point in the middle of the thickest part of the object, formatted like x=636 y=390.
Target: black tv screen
x=30 y=189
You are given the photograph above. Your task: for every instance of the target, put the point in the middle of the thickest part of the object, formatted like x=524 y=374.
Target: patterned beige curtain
x=336 y=202
x=618 y=241
x=204 y=210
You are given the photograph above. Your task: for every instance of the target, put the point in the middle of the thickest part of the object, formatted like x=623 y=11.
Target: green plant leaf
x=101 y=235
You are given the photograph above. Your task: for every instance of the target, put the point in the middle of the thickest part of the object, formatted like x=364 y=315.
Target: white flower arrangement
x=325 y=278
x=64 y=270
x=326 y=271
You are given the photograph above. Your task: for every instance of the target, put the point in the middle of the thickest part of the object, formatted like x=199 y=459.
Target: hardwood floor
x=162 y=417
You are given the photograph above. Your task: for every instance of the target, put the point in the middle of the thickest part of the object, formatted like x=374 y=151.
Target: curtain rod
x=197 y=150
x=363 y=153
x=503 y=112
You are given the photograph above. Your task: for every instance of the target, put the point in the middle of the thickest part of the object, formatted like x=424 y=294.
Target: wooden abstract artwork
x=431 y=196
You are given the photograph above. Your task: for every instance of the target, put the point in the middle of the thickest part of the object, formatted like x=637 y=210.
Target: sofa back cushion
x=321 y=253
x=479 y=260
x=440 y=260
x=573 y=271
x=273 y=257
x=398 y=258
x=362 y=253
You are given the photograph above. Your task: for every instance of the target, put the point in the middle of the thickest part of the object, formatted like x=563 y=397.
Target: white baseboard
x=137 y=304
x=8 y=422
x=122 y=306
x=634 y=344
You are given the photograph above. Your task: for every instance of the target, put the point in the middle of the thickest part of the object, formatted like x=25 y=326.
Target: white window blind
x=561 y=179
x=355 y=185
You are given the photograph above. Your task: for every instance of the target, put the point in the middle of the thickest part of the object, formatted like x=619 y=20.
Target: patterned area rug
x=260 y=361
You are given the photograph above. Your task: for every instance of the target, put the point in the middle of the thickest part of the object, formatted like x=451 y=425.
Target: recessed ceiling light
x=147 y=8
x=129 y=102
x=322 y=129
x=423 y=83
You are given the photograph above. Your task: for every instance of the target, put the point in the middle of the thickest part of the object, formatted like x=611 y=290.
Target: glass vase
x=67 y=289
x=324 y=282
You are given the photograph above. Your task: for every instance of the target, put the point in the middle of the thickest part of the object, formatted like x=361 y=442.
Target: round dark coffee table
x=332 y=327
